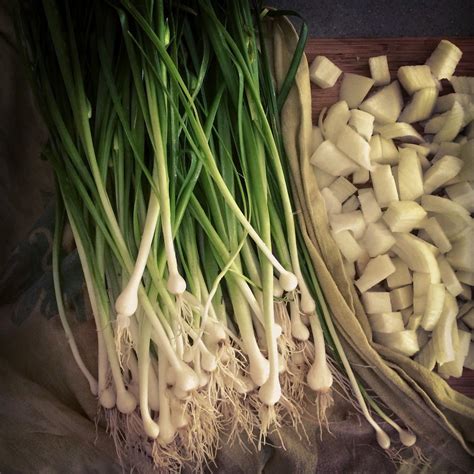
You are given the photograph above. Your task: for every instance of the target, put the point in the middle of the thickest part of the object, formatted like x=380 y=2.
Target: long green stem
x=59 y=223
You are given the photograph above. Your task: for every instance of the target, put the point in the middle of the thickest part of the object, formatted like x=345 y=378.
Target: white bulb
x=186 y=378
x=406 y=438
x=383 y=439
x=107 y=398
x=176 y=284
x=270 y=391
x=126 y=402
x=307 y=303
x=127 y=301
x=288 y=281
x=152 y=430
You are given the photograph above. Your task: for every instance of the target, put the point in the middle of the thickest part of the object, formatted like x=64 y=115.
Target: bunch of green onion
x=170 y=171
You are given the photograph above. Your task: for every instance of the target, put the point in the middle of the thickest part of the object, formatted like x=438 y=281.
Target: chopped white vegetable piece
x=463 y=194
x=406 y=313
x=421 y=283
x=469 y=360
x=323 y=179
x=361 y=176
x=369 y=205
x=333 y=205
x=465 y=277
x=452 y=126
x=414 y=78
x=414 y=322
x=410 y=178
x=402 y=297
x=441 y=172
x=352 y=204
x=447 y=148
x=403 y=216
x=336 y=119
x=401 y=276
x=405 y=342
x=323 y=72
x=390 y=154
x=448 y=277
x=377 y=239
x=427 y=356
x=437 y=235
x=362 y=122
x=375 y=148
x=442 y=333
x=395 y=178
x=436 y=123
x=443 y=205
x=386 y=322
x=376 y=302
x=446 y=102
x=362 y=262
x=332 y=160
x=354 y=88
x=424 y=162
x=454 y=368
x=467 y=155
x=377 y=269
x=462 y=84
x=444 y=59
x=354 y=146
x=379 y=70
x=455 y=331
x=417 y=255
x=349 y=267
x=454 y=226
x=434 y=306
x=461 y=257
x=468 y=318
x=419 y=304
x=348 y=246
x=432 y=248
x=384 y=185
x=468 y=118
x=316 y=138
x=424 y=150
x=421 y=105
x=386 y=104
x=401 y=131
x=342 y=188
x=353 y=221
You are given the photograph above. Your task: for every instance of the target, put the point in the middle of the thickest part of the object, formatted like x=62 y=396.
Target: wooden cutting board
x=352 y=55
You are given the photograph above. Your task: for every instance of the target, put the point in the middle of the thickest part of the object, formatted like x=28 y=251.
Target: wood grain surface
x=352 y=55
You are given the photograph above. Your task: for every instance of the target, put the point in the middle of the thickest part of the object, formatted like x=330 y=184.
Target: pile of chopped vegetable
x=395 y=168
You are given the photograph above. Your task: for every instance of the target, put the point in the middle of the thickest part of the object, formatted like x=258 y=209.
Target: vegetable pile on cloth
x=48 y=418
x=441 y=415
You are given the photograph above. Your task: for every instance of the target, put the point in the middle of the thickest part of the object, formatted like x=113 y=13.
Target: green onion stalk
x=171 y=173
